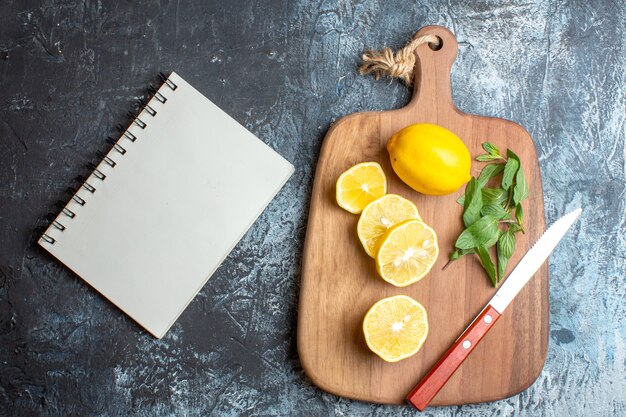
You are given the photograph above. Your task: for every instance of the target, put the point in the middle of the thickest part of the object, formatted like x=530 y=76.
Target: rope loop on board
x=396 y=65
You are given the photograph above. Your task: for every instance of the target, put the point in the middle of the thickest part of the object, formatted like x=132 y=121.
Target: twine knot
x=399 y=65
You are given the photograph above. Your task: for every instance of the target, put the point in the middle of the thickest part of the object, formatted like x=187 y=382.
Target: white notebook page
x=173 y=207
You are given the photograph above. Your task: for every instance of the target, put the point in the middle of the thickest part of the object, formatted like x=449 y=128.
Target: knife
x=437 y=377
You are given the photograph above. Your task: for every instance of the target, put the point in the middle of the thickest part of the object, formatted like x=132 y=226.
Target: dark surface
x=70 y=71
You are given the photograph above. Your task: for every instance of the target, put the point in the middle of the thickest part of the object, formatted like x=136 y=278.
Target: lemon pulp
x=360 y=185
x=406 y=253
x=379 y=216
x=395 y=328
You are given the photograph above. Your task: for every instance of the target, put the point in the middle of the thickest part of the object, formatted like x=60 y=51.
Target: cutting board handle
x=432 y=93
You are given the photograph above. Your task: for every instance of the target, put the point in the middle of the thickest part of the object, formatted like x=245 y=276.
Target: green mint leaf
x=505 y=247
x=494 y=195
x=512 y=154
x=506 y=243
x=510 y=169
x=492 y=241
x=465 y=240
x=516 y=228
x=483 y=231
x=520 y=191
x=502 y=263
x=472 y=203
x=519 y=214
x=489 y=172
x=495 y=210
x=461 y=200
x=485 y=260
x=487 y=158
x=491 y=149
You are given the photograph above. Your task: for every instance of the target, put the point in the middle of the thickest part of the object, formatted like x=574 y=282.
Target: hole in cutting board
x=438 y=46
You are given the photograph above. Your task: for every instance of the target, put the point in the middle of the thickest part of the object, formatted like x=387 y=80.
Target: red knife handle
x=437 y=377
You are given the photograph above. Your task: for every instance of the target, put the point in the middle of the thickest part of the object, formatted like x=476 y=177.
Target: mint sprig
x=492 y=215
x=493 y=154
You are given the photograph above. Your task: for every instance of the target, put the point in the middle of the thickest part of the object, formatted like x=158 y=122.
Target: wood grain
x=339 y=281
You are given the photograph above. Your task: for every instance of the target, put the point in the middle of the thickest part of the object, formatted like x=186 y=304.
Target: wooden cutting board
x=340 y=283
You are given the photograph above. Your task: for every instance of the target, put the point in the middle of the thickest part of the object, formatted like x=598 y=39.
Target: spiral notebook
x=165 y=206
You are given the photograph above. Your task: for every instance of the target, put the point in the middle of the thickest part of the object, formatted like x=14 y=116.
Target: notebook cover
x=171 y=209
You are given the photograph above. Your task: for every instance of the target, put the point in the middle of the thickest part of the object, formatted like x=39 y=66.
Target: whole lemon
x=430 y=158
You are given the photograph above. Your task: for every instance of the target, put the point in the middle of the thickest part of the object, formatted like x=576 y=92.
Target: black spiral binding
x=142 y=106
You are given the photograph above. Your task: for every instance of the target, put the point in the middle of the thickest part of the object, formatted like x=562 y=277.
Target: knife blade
x=437 y=377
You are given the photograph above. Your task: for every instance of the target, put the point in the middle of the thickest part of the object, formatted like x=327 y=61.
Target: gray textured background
x=69 y=71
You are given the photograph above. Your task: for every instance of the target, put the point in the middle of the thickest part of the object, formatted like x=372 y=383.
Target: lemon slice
x=380 y=215
x=406 y=253
x=395 y=327
x=360 y=185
